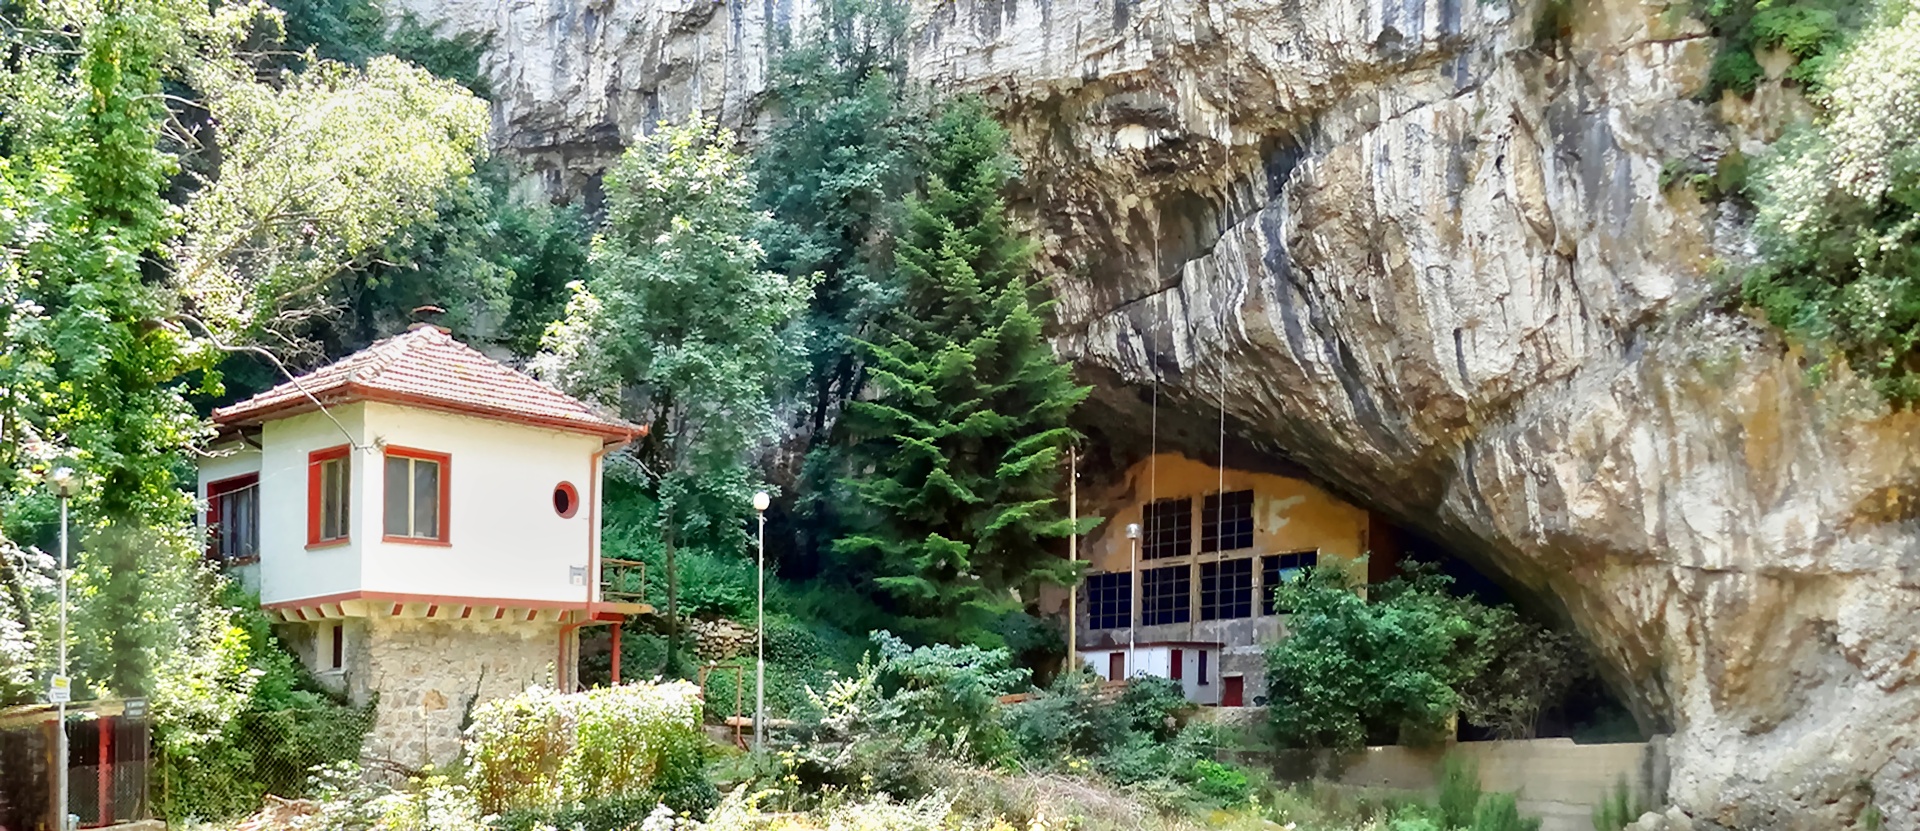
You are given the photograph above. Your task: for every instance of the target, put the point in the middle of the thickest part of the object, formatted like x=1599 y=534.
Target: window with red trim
x=417 y=491
x=233 y=519
x=329 y=473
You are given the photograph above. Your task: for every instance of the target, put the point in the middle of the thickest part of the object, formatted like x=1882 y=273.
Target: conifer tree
x=957 y=461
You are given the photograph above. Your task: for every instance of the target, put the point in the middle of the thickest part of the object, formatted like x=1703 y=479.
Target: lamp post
x=760 y=503
x=63 y=482
x=1133 y=593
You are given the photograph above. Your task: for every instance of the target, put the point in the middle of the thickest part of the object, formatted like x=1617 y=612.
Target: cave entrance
x=1589 y=712
x=1182 y=567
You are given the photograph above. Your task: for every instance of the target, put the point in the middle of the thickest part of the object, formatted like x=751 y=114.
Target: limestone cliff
x=1422 y=248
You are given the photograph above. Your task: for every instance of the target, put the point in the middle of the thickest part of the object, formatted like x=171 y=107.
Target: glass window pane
x=398 y=496
x=426 y=499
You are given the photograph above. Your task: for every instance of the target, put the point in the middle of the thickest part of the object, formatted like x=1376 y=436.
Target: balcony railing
x=623 y=581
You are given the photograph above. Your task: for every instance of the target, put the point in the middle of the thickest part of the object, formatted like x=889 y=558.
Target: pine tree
x=957 y=461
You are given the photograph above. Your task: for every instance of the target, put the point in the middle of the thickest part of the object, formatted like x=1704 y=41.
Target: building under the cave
x=1192 y=598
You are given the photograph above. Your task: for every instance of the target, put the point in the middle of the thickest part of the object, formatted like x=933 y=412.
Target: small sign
x=577 y=575
x=60 y=691
x=134 y=708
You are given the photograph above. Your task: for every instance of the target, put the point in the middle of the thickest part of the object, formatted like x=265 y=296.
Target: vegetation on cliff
x=1839 y=210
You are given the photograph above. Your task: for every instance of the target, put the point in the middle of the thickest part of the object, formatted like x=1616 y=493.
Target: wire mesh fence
x=260 y=753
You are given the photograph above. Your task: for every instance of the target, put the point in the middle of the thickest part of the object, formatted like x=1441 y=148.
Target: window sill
x=316 y=546
x=416 y=541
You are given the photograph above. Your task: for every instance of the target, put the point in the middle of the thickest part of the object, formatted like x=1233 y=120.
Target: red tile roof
x=426 y=367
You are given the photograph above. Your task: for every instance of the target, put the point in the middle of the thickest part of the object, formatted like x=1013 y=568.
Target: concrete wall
x=1557 y=780
x=506 y=540
x=288 y=569
x=1289 y=515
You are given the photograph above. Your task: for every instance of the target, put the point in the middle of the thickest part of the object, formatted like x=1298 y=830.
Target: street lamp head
x=63 y=481
x=1133 y=530
x=761 y=501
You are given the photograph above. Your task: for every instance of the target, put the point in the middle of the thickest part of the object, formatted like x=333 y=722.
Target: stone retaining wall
x=429 y=674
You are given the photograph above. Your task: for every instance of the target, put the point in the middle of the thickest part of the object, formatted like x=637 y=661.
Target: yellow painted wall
x=1288 y=514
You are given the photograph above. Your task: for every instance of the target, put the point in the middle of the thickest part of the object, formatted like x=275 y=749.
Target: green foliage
x=1809 y=30
x=540 y=750
x=1617 y=808
x=1526 y=669
x=285 y=727
x=1153 y=706
x=1501 y=812
x=1408 y=660
x=1222 y=784
x=1349 y=666
x=681 y=328
x=1067 y=720
x=356 y=31
x=1839 y=215
x=1460 y=791
x=958 y=451
x=376 y=149
x=848 y=141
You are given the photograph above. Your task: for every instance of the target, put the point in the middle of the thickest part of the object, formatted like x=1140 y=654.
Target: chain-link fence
x=260 y=753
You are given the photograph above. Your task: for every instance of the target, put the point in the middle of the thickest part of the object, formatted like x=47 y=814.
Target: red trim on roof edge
x=350 y=393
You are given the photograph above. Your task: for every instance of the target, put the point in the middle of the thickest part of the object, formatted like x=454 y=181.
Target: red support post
x=105 y=776
x=616 y=651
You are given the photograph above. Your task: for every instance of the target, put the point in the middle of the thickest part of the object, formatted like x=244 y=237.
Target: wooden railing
x=623 y=581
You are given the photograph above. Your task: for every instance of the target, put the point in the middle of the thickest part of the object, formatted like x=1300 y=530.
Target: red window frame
x=314 y=497
x=445 y=461
x=215 y=490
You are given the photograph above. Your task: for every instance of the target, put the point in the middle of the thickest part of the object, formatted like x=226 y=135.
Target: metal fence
x=260 y=753
x=108 y=768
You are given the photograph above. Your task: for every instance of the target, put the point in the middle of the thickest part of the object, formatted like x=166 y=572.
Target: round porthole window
x=566 y=500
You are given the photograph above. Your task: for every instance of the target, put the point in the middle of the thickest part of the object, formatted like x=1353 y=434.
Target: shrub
x=1501 y=812
x=1220 y=783
x=1838 y=219
x=1351 y=666
x=1064 y=720
x=944 y=698
x=1460 y=792
x=541 y=749
x=1153 y=705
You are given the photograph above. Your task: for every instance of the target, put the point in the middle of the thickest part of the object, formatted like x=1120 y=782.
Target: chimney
x=424 y=316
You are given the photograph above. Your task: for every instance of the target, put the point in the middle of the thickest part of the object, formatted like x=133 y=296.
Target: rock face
x=1421 y=248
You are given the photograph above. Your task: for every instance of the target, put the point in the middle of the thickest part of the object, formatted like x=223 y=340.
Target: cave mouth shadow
x=1592 y=712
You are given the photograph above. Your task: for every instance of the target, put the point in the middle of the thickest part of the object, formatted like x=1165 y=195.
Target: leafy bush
x=1501 y=812
x=1153 y=705
x=1839 y=214
x=287 y=726
x=1224 y=784
x=1065 y=720
x=540 y=749
x=945 y=697
x=1459 y=791
x=347 y=800
x=1350 y=666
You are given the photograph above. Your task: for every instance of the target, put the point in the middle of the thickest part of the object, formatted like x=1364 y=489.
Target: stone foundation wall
x=429 y=675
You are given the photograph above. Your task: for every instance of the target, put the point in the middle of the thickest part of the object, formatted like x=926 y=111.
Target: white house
x=424 y=522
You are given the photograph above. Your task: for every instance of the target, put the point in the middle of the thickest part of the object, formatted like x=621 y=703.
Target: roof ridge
x=396 y=348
